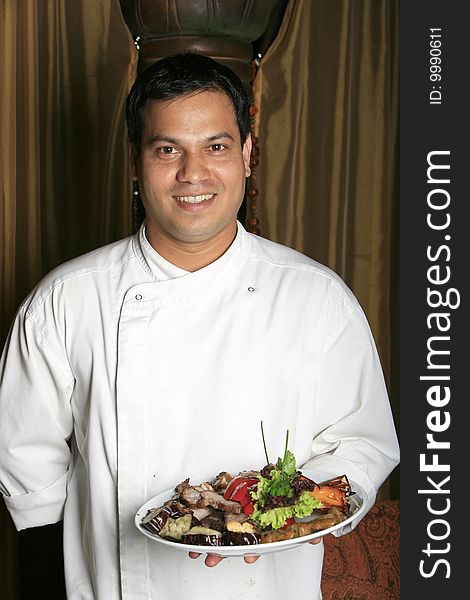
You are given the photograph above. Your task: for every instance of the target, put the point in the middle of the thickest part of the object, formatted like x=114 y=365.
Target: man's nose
x=193 y=169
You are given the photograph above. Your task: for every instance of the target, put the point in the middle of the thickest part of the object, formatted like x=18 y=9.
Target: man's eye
x=166 y=150
x=217 y=147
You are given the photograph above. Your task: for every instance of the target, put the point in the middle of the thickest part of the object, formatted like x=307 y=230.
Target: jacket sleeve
x=357 y=435
x=35 y=424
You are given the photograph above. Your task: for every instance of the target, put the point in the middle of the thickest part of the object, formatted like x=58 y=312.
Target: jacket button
x=138 y=296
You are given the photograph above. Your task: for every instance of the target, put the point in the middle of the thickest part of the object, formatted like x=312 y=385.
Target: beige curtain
x=65 y=69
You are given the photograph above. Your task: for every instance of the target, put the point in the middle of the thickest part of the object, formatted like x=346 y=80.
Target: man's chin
x=202 y=233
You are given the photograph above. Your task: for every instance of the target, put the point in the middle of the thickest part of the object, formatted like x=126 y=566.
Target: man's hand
x=212 y=560
x=316 y=540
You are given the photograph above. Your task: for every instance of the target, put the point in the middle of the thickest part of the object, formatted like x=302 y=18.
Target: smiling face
x=191 y=173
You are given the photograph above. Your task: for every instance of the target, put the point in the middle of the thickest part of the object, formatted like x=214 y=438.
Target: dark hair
x=181 y=75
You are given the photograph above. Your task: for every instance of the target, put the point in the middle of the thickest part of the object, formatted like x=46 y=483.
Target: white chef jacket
x=117 y=383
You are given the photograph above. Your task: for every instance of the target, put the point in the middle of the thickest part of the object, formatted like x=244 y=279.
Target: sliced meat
x=215 y=520
x=191 y=497
x=217 y=501
x=181 y=486
x=249 y=474
x=200 y=497
x=204 y=487
x=200 y=513
x=221 y=481
x=236 y=517
x=176 y=507
x=239 y=523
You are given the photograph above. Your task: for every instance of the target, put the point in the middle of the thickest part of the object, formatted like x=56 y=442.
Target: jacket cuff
x=35 y=509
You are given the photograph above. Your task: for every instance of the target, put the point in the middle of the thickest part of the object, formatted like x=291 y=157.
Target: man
x=155 y=359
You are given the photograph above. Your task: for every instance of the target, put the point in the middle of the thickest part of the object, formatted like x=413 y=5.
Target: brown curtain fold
x=66 y=71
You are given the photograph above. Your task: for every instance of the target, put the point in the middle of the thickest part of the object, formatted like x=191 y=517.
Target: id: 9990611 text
x=435 y=68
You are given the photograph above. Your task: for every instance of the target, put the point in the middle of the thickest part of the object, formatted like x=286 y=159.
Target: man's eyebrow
x=221 y=134
x=154 y=139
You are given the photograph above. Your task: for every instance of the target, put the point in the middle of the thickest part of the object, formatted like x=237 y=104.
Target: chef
x=155 y=359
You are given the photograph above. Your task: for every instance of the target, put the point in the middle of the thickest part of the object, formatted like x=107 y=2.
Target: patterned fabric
x=365 y=564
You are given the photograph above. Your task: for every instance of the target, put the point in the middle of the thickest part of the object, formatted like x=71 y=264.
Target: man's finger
x=251 y=558
x=316 y=540
x=212 y=560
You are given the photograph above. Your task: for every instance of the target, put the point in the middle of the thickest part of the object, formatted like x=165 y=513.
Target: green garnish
x=279 y=483
x=276 y=517
x=264 y=443
x=282 y=474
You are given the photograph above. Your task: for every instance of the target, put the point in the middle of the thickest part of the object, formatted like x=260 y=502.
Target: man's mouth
x=195 y=199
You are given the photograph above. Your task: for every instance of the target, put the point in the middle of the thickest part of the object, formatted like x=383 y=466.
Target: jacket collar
x=180 y=285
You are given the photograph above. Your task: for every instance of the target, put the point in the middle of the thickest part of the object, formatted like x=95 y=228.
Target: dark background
x=426 y=128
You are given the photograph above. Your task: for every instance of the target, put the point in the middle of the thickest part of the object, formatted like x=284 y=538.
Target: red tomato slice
x=246 y=500
x=241 y=492
x=235 y=483
x=248 y=508
x=289 y=521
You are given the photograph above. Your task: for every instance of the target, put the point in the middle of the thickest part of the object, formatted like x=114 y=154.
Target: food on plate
x=232 y=538
x=202 y=536
x=204 y=495
x=155 y=519
x=176 y=528
x=253 y=507
x=333 y=493
x=298 y=529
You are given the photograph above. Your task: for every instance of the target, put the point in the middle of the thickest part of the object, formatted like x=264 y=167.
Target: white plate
x=356 y=501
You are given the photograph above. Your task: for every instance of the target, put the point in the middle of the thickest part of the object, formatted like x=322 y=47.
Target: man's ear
x=134 y=158
x=246 y=151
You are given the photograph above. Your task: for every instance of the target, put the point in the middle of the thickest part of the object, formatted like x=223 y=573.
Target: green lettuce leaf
x=305 y=505
x=276 y=517
x=287 y=465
